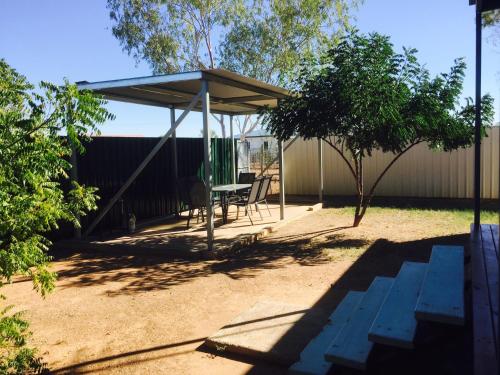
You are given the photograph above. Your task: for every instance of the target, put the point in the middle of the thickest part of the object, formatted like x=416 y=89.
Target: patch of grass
x=341 y=242
x=337 y=247
x=459 y=217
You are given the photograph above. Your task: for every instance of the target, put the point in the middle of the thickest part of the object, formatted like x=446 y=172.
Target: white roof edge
x=138 y=81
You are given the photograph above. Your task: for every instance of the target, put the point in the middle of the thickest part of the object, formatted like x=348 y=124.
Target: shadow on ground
x=382 y=258
x=147 y=273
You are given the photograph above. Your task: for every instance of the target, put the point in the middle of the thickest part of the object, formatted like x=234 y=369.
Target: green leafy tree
x=362 y=96
x=268 y=40
x=491 y=21
x=33 y=163
x=491 y=18
x=258 y=38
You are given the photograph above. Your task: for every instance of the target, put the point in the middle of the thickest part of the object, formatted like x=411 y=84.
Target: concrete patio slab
x=273 y=331
x=171 y=238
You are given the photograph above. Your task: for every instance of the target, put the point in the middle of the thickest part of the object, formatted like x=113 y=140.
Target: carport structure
x=207 y=91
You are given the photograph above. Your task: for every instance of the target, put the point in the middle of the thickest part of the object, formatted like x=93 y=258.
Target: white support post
x=282 y=179
x=320 y=169
x=233 y=157
x=205 y=100
x=141 y=166
x=174 y=159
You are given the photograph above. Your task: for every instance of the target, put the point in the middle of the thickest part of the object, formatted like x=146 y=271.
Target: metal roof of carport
x=230 y=93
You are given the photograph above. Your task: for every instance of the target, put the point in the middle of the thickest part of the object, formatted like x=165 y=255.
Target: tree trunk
x=357 y=220
x=360 y=210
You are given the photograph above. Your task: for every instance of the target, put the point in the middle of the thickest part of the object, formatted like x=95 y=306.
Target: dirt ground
x=148 y=315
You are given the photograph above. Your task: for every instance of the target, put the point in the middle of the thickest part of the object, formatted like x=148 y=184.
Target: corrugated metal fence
x=109 y=161
x=421 y=172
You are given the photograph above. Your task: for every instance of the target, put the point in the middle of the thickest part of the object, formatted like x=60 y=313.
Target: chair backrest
x=246 y=178
x=254 y=191
x=197 y=194
x=264 y=188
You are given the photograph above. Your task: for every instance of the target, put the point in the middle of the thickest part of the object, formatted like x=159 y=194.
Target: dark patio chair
x=249 y=200
x=192 y=192
x=246 y=178
x=263 y=192
x=197 y=201
x=183 y=186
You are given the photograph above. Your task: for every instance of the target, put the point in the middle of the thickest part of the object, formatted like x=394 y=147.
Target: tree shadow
x=382 y=258
x=139 y=273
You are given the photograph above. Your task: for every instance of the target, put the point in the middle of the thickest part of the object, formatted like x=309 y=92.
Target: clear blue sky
x=53 y=39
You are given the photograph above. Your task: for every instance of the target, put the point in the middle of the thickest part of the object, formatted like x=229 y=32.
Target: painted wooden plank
x=312 y=359
x=351 y=347
x=442 y=295
x=484 y=339
x=395 y=323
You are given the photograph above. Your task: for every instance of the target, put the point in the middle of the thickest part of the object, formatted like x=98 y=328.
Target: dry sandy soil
x=148 y=315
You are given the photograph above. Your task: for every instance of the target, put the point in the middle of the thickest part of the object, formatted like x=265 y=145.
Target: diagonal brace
x=141 y=166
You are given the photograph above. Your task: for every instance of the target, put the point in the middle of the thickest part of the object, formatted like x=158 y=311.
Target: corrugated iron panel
x=419 y=173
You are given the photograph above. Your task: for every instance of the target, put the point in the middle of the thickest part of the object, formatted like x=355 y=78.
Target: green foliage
x=34 y=158
x=491 y=21
x=15 y=356
x=257 y=38
x=266 y=41
x=491 y=18
x=261 y=39
x=171 y=35
x=362 y=96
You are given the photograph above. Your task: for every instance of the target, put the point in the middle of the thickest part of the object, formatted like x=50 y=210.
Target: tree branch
x=372 y=190
x=343 y=157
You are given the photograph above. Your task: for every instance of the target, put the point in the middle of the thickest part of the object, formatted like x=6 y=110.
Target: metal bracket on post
x=282 y=179
x=205 y=100
x=141 y=166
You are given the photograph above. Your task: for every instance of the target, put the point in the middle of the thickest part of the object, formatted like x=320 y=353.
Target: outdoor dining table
x=224 y=190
